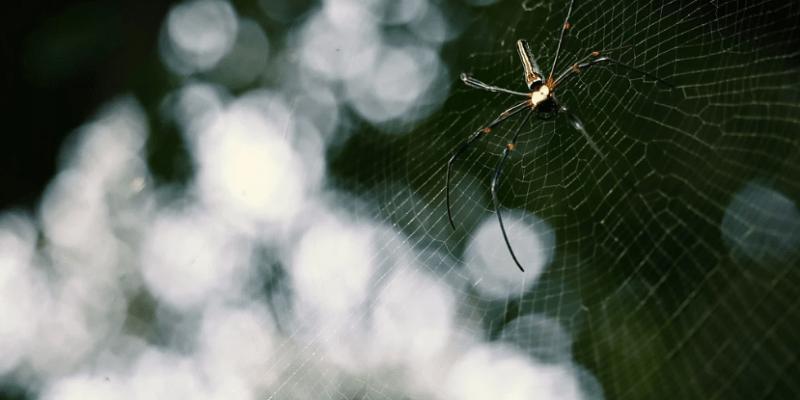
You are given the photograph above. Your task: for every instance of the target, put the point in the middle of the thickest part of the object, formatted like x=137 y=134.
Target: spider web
x=661 y=294
x=273 y=224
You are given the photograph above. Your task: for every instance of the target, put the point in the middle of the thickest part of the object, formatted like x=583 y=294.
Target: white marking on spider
x=539 y=95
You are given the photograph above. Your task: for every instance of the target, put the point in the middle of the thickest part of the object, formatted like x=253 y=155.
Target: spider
x=542 y=102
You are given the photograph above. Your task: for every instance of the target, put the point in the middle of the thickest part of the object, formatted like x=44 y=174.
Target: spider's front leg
x=472 y=82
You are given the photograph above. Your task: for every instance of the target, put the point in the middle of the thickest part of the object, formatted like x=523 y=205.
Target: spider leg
x=472 y=82
x=514 y=110
x=561 y=39
x=496 y=182
x=578 y=125
x=575 y=69
x=604 y=52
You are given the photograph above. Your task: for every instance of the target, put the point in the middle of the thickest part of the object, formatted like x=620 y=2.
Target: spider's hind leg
x=578 y=125
x=514 y=110
x=496 y=182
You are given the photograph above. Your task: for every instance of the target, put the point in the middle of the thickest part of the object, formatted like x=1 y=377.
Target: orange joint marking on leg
x=504 y=114
x=566 y=25
x=575 y=68
x=487 y=129
x=596 y=53
x=511 y=146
